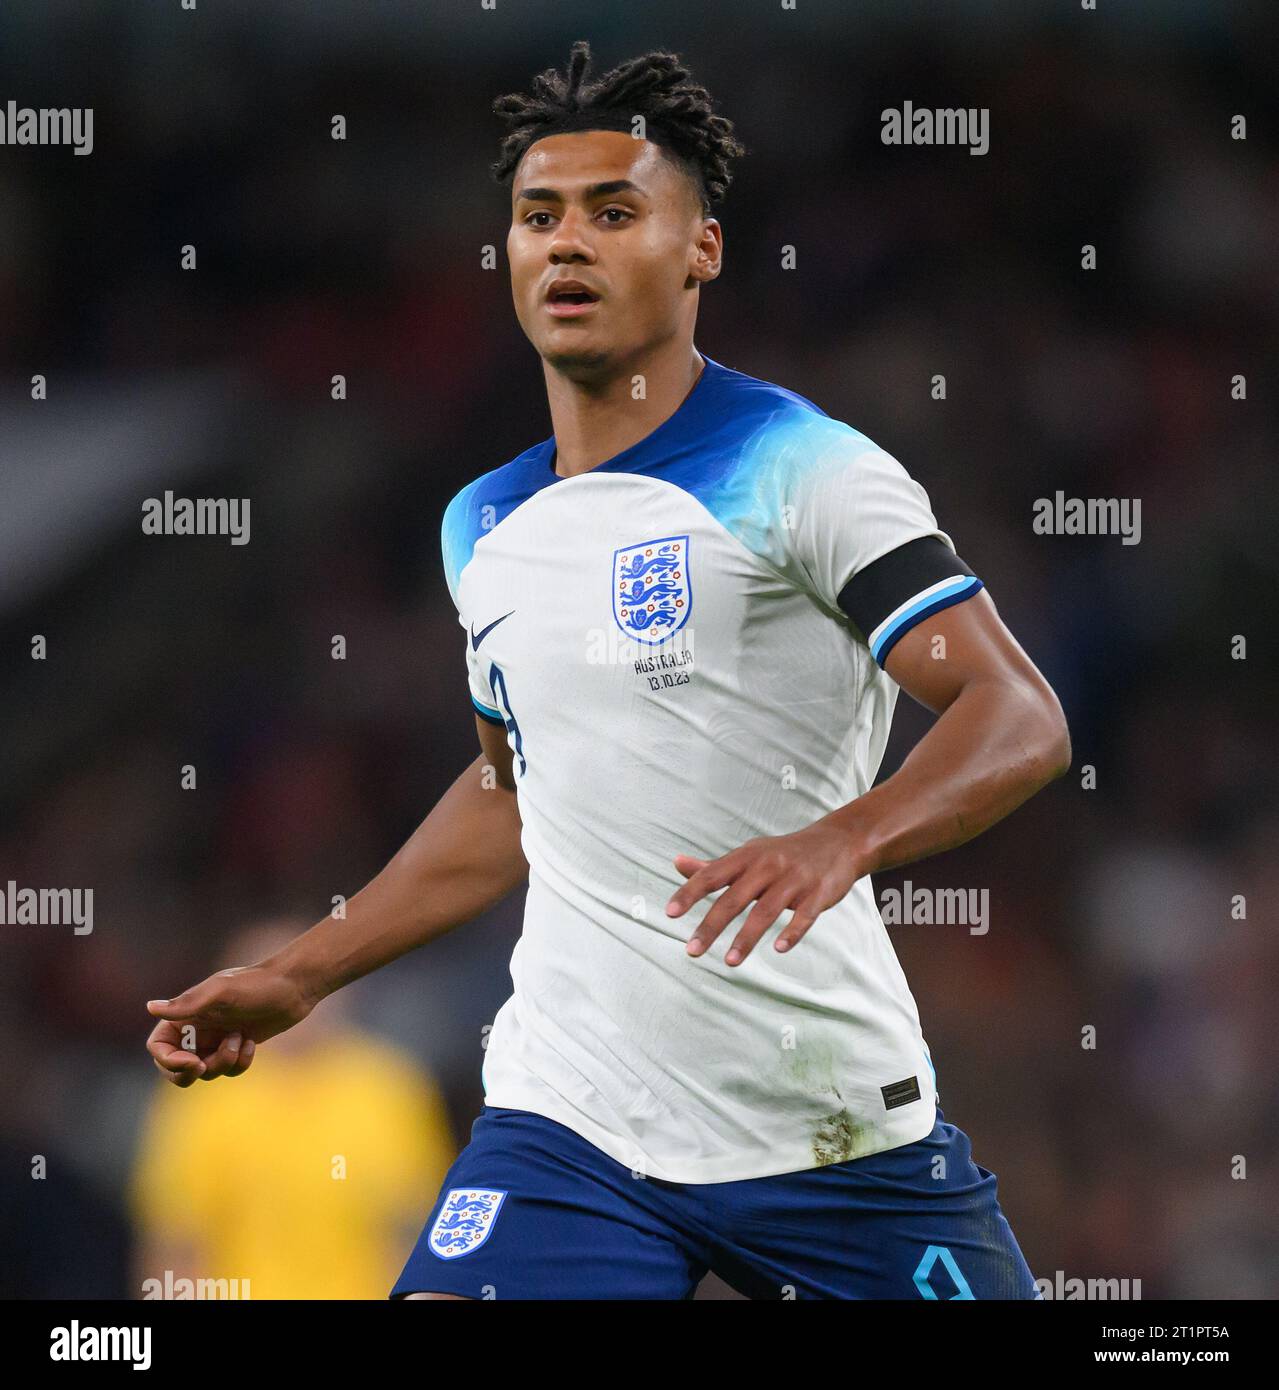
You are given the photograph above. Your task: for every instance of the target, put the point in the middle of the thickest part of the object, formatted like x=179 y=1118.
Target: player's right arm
x=462 y=859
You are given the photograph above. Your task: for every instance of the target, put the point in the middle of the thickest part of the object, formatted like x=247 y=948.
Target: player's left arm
x=1000 y=736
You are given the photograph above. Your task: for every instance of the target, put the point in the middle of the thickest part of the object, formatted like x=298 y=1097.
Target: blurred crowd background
x=1111 y=906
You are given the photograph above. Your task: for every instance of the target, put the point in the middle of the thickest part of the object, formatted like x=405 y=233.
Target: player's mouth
x=568 y=299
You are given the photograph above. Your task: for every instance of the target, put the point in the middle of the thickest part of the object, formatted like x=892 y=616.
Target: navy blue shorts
x=532 y=1210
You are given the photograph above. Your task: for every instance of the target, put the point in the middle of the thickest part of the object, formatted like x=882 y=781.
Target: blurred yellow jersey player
x=305 y=1179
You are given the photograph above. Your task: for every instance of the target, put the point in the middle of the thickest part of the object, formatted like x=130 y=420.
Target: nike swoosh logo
x=477 y=638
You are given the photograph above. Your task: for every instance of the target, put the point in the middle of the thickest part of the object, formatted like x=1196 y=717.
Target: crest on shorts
x=652 y=595
x=466 y=1217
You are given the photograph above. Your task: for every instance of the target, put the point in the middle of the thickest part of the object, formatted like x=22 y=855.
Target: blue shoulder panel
x=482 y=504
x=733 y=444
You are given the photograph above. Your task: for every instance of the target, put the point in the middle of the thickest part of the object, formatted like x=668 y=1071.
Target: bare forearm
x=995 y=746
x=462 y=859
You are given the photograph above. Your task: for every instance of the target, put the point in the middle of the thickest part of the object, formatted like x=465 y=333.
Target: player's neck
x=594 y=421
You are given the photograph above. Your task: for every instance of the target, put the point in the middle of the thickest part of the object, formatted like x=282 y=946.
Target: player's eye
x=541 y=213
x=626 y=215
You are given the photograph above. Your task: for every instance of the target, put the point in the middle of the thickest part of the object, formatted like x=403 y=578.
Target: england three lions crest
x=465 y=1220
x=652 y=594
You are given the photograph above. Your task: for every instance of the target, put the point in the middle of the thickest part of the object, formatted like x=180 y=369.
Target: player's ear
x=706 y=258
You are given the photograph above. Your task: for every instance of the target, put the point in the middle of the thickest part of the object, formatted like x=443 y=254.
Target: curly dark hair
x=676 y=110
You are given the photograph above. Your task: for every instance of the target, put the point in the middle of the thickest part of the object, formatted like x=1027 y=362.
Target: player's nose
x=572 y=240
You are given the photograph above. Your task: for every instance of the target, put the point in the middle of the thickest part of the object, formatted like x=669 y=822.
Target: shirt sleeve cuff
x=487 y=712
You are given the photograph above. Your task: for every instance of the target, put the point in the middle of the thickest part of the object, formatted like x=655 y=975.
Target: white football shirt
x=662 y=639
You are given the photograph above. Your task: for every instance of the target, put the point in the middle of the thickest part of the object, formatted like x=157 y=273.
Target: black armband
x=887 y=598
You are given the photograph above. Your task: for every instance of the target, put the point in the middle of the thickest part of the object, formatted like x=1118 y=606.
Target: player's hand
x=809 y=871
x=231 y=1012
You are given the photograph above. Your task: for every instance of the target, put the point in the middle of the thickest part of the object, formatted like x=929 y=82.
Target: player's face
x=616 y=215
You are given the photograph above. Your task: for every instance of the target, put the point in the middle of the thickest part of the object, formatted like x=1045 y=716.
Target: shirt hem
x=794 y=1158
